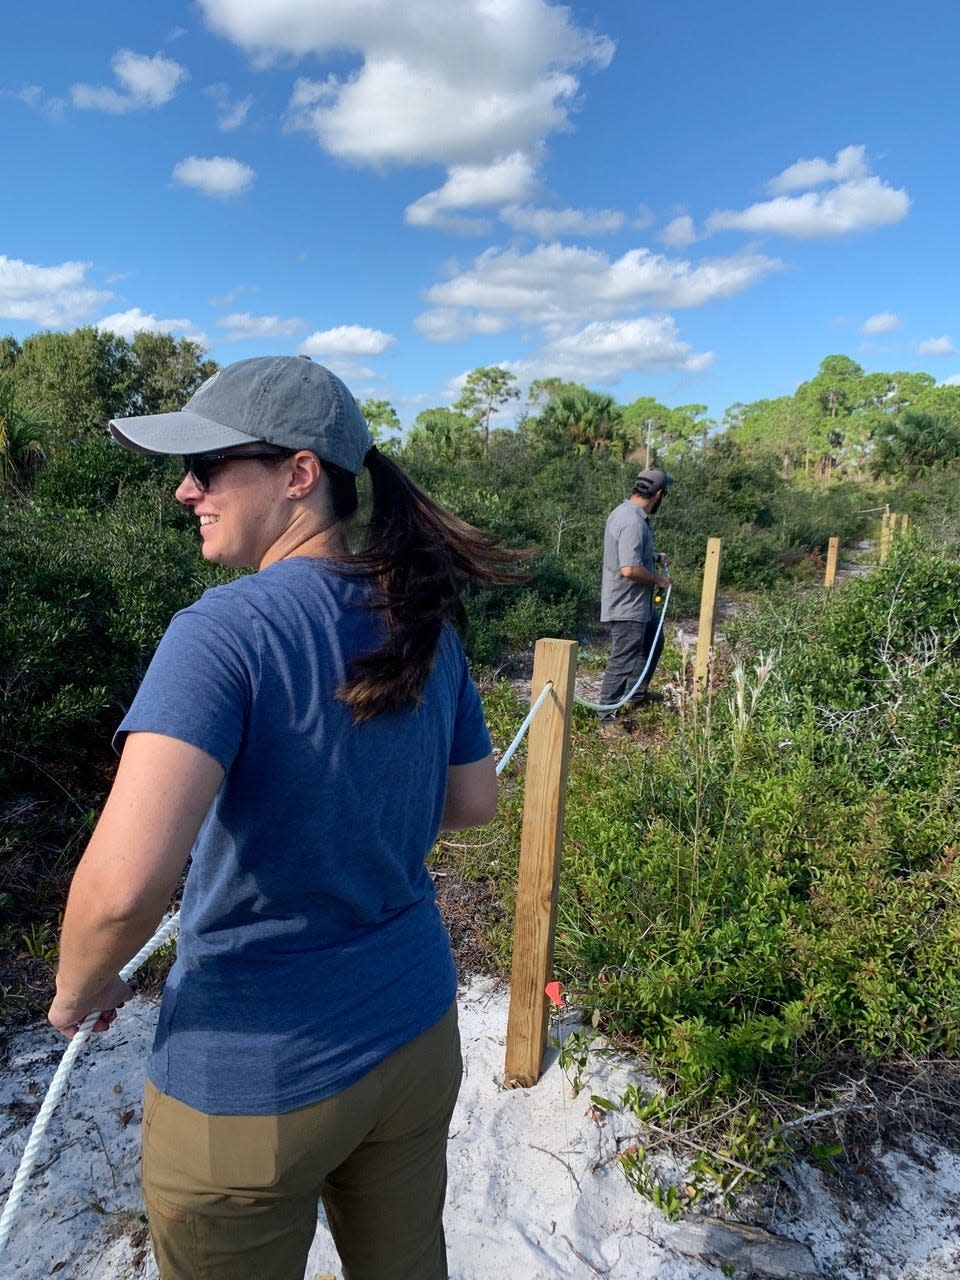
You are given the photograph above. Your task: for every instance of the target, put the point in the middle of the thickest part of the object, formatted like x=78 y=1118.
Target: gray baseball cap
x=650 y=480
x=284 y=400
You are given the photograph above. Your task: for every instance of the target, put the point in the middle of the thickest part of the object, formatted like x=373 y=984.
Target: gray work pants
x=630 y=646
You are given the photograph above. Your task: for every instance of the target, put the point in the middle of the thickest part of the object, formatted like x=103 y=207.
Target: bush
x=772 y=532
x=92 y=473
x=772 y=888
x=84 y=598
x=877 y=663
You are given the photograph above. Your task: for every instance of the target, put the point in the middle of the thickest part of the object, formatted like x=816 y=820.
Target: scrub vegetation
x=760 y=891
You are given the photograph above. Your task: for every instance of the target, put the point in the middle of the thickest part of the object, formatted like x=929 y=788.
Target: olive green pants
x=235 y=1197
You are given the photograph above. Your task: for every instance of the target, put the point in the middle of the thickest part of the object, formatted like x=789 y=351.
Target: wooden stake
x=708 y=601
x=886 y=529
x=544 y=796
x=830 y=577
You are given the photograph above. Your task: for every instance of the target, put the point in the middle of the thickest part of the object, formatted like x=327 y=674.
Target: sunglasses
x=204 y=466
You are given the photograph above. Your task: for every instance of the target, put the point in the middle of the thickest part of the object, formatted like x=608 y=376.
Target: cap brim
x=176 y=433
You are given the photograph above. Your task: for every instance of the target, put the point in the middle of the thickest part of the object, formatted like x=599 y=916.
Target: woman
x=305 y=731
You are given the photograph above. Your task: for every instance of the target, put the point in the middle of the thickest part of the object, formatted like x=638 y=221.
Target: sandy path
x=534 y=1193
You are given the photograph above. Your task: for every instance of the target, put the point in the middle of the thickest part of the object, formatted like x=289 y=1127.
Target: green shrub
x=770 y=888
x=84 y=598
x=878 y=663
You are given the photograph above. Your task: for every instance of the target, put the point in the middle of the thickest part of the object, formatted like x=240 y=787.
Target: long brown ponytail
x=419 y=555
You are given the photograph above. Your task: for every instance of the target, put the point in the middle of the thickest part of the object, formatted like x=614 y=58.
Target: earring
x=293 y=494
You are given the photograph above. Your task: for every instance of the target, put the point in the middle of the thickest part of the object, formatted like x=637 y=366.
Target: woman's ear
x=304 y=474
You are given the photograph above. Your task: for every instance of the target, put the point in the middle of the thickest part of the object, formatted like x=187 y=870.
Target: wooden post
x=885 y=532
x=708 y=600
x=544 y=796
x=830 y=577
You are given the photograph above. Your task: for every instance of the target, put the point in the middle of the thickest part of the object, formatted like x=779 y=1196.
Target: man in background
x=632 y=568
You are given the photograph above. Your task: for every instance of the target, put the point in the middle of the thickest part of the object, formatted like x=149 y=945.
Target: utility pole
x=648 y=423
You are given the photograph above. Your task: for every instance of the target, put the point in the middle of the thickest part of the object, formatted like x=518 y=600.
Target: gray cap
x=651 y=480
x=284 y=400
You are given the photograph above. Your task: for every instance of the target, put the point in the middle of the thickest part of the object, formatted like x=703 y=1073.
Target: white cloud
x=850 y=164
x=244 y=325
x=602 y=350
x=128 y=323
x=643 y=217
x=453 y=84
x=230 y=114
x=49 y=296
x=219 y=176
x=849 y=207
x=952 y=381
x=580 y=300
x=882 y=322
x=476 y=86
x=679 y=233
x=858 y=201
x=229 y=298
x=548 y=224
x=472 y=186
x=347 y=340
x=32 y=96
x=394 y=113
x=936 y=347
x=446 y=324
x=556 y=285
x=145 y=82
x=342 y=349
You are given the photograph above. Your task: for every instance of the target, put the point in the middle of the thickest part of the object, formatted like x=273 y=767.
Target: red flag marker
x=554 y=993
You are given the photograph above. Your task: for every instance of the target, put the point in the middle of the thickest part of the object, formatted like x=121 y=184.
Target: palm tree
x=586 y=420
x=21 y=439
x=445 y=434
x=914 y=441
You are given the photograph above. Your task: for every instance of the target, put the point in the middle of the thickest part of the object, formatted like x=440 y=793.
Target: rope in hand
x=615 y=706
x=58 y=1084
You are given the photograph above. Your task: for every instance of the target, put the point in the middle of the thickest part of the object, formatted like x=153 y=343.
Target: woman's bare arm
x=471 y=795
x=130 y=869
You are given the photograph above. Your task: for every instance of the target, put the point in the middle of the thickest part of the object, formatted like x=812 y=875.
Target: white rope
x=58 y=1084
x=505 y=758
x=615 y=706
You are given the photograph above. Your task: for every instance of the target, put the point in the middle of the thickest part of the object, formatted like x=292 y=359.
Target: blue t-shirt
x=310 y=944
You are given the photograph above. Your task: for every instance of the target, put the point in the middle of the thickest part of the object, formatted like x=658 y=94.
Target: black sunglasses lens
x=203 y=466
x=200 y=468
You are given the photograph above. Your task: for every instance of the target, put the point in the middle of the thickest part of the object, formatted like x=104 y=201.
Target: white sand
x=534 y=1192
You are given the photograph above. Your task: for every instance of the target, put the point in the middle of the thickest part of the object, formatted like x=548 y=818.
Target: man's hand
x=68 y=1014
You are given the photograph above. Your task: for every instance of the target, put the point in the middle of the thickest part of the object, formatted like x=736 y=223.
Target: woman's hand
x=68 y=1014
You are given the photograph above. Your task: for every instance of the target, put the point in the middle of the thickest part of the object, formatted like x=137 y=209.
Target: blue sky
x=688 y=200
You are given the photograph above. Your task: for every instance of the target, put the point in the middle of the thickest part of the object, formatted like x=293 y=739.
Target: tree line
x=843 y=422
